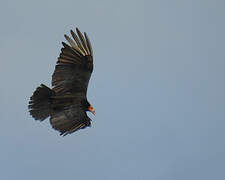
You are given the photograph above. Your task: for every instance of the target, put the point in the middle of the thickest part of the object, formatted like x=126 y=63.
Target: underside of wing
x=74 y=65
x=69 y=119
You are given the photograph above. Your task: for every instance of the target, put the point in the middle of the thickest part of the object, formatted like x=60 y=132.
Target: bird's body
x=66 y=103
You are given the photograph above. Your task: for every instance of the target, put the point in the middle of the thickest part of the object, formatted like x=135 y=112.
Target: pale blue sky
x=158 y=88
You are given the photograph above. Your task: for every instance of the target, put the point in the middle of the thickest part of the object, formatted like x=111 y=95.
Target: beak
x=92 y=110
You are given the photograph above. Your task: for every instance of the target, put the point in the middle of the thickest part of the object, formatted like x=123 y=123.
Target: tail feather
x=40 y=104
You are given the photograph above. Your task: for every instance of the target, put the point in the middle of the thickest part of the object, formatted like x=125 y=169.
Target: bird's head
x=91 y=109
x=88 y=107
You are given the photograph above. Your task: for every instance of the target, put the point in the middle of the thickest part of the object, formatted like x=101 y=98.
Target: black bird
x=66 y=103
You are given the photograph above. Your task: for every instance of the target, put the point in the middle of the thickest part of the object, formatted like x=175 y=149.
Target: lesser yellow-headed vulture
x=66 y=103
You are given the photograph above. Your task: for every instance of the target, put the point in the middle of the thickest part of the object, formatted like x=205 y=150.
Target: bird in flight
x=66 y=103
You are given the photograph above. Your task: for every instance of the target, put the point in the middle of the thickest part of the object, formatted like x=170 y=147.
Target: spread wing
x=74 y=66
x=69 y=119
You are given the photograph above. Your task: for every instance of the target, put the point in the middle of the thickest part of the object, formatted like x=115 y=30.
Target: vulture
x=66 y=102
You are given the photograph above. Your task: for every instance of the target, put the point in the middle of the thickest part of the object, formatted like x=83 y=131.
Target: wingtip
x=77 y=29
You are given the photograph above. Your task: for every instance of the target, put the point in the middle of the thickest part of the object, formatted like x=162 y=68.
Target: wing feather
x=78 y=41
x=74 y=45
x=82 y=40
x=88 y=44
x=69 y=119
x=74 y=66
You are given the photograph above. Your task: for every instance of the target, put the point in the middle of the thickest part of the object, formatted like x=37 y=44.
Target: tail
x=40 y=103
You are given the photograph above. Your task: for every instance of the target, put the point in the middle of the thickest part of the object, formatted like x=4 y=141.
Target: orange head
x=91 y=109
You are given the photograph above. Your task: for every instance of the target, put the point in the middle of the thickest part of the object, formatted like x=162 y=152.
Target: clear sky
x=158 y=88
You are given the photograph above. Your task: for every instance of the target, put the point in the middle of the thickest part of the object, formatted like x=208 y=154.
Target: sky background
x=158 y=88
